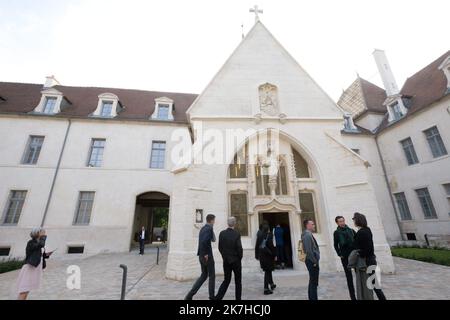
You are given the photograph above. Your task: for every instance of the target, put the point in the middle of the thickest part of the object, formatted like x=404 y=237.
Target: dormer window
x=445 y=67
x=396 y=108
x=349 y=125
x=49 y=105
x=108 y=106
x=52 y=102
x=163 y=109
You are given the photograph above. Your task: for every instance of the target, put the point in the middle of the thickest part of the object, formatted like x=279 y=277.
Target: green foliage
x=435 y=255
x=10 y=265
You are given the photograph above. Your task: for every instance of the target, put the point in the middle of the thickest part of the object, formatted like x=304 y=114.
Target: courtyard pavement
x=101 y=278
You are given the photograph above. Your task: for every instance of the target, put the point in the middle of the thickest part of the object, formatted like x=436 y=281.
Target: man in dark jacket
x=312 y=252
x=230 y=248
x=344 y=237
x=205 y=255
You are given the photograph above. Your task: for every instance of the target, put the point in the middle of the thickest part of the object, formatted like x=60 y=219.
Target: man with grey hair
x=230 y=248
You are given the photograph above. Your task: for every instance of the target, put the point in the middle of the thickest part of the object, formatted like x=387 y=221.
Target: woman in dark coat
x=265 y=253
x=364 y=244
x=31 y=273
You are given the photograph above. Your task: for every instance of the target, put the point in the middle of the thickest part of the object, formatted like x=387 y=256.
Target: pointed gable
x=260 y=59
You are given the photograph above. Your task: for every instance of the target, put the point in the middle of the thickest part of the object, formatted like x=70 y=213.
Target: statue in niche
x=268 y=99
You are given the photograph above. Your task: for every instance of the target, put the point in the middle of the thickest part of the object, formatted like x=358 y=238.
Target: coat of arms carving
x=268 y=99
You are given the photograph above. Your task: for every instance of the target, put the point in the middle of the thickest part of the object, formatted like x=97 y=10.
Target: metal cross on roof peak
x=256 y=11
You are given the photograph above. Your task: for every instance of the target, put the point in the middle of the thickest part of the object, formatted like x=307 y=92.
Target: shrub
x=438 y=256
x=10 y=265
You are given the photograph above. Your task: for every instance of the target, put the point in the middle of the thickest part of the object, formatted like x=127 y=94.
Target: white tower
x=390 y=85
x=394 y=103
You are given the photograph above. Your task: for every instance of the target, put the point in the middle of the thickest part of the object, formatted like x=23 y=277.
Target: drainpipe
x=56 y=173
x=389 y=188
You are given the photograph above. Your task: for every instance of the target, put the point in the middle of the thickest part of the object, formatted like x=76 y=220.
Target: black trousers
x=228 y=268
x=208 y=271
x=141 y=246
x=313 y=280
x=349 y=276
x=267 y=279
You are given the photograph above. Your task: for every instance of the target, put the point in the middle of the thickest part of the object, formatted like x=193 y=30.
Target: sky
x=179 y=45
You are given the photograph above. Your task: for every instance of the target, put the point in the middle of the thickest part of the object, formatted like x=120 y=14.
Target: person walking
x=31 y=273
x=279 y=244
x=230 y=247
x=364 y=244
x=311 y=249
x=206 y=259
x=143 y=236
x=265 y=253
x=343 y=244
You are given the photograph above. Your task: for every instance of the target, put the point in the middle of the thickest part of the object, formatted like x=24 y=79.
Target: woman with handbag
x=364 y=244
x=265 y=253
x=31 y=273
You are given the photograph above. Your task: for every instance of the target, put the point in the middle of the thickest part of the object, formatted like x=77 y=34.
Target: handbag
x=301 y=251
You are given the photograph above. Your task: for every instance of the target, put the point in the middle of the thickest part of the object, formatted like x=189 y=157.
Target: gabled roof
x=22 y=98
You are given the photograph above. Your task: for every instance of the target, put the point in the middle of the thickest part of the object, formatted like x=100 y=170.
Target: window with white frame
x=163 y=112
x=158 y=155
x=447 y=192
x=426 y=203
x=14 y=207
x=84 y=208
x=435 y=142
x=49 y=105
x=410 y=152
x=96 y=153
x=106 y=109
x=32 y=150
x=396 y=111
x=108 y=106
x=402 y=205
x=308 y=208
x=238 y=209
x=164 y=108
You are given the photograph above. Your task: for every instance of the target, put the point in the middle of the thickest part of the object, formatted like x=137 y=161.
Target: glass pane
x=238 y=169
x=14 y=207
x=163 y=112
x=306 y=202
x=301 y=166
x=106 y=109
x=49 y=105
x=259 y=188
x=238 y=208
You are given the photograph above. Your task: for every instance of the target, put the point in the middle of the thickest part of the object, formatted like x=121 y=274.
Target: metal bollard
x=124 y=281
x=426 y=239
x=157 y=255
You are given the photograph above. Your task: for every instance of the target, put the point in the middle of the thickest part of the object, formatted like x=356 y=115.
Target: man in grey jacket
x=311 y=249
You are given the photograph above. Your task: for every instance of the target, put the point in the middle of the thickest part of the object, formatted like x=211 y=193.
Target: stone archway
x=151 y=212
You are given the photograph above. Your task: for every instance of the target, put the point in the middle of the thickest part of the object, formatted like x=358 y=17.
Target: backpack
x=301 y=251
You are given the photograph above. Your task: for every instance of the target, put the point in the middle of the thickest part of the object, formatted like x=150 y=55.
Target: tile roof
x=424 y=88
x=138 y=104
x=363 y=96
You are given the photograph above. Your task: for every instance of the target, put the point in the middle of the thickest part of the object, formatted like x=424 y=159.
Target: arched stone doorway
x=285 y=198
x=152 y=212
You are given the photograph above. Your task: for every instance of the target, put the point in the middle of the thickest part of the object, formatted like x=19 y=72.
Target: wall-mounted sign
x=199 y=215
